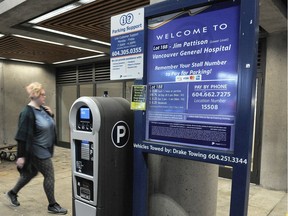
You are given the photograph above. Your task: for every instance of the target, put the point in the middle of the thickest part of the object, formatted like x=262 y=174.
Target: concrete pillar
x=273 y=174
x=2 y=139
x=179 y=187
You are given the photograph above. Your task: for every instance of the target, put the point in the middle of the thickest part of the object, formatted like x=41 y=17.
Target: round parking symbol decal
x=120 y=134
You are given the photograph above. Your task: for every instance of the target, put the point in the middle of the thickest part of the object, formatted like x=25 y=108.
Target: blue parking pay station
x=200 y=73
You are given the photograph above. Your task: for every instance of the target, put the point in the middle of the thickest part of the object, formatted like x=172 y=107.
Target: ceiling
x=90 y=21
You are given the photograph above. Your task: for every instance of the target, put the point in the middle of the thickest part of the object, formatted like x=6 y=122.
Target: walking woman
x=36 y=136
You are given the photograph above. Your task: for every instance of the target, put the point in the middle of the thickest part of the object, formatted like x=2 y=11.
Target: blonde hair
x=34 y=89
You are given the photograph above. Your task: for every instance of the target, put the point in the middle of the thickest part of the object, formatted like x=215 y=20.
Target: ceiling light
x=59 y=32
x=60 y=11
x=76 y=47
x=86 y=1
x=8 y=5
x=66 y=61
x=101 y=42
x=35 y=62
x=2 y=35
x=89 y=57
x=78 y=59
x=71 y=35
x=54 y=13
x=36 y=39
x=55 y=43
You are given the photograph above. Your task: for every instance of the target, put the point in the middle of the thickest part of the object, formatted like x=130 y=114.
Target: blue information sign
x=192 y=77
x=200 y=72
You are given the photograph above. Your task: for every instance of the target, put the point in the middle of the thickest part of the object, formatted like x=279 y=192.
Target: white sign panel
x=127 y=45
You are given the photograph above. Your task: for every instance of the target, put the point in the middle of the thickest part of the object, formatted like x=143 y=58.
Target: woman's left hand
x=49 y=110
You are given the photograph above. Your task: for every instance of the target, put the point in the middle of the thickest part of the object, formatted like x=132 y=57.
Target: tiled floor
x=262 y=202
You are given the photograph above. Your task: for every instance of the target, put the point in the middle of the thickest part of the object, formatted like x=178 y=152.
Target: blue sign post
x=200 y=72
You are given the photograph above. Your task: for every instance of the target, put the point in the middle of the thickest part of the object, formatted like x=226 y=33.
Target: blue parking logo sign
x=120 y=134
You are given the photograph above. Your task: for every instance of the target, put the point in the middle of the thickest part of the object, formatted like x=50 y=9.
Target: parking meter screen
x=85 y=113
x=192 y=61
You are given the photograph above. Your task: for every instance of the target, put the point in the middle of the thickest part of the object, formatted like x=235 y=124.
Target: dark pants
x=45 y=167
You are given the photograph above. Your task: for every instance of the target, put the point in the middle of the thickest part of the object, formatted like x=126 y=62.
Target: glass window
x=66 y=97
x=114 y=89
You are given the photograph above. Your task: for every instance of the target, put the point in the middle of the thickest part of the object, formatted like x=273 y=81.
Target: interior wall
x=274 y=140
x=15 y=76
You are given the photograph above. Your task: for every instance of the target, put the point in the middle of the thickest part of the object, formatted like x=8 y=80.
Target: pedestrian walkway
x=262 y=202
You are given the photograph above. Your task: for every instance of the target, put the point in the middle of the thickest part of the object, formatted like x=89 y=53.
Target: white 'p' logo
x=120 y=134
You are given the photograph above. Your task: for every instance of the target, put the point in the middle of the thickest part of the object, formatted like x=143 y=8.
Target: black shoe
x=12 y=198
x=56 y=209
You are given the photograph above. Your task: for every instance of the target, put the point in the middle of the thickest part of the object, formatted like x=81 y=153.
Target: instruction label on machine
x=127 y=45
x=192 y=77
x=138 y=97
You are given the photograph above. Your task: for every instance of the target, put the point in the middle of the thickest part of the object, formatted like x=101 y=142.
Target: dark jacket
x=25 y=133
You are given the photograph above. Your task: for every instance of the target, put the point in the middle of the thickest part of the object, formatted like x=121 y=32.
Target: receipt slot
x=102 y=156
